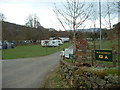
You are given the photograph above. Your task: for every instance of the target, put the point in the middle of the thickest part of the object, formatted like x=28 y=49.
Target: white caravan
x=49 y=43
x=59 y=42
x=0 y=44
x=64 y=39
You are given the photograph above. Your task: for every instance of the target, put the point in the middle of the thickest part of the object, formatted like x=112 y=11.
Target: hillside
x=11 y=31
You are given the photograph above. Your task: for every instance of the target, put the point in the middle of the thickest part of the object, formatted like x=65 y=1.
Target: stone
x=88 y=83
x=94 y=86
x=100 y=81
x=108 y=85
x=67 y=77
x=92 y=79
x=84 y=77
x=88 y=74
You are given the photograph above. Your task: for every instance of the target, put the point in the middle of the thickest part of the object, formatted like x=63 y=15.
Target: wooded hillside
x=16 y=32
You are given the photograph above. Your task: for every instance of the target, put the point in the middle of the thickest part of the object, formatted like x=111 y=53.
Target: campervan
x=49 y=43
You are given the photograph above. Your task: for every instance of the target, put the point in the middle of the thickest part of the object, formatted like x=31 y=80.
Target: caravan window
x=53 y=42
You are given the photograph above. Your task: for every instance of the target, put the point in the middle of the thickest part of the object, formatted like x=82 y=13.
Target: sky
x=17 y=11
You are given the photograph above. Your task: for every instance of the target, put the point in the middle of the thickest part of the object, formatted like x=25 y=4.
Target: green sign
x=103 y=55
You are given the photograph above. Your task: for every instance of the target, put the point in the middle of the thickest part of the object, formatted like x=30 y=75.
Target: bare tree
x=32 y=21
x=2 y=17
x=109 y=16
x=116 y=4
x=73 y=14
x=93 y=19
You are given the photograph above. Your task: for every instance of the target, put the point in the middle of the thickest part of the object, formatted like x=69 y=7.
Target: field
x=31 y=51
x=106 y=45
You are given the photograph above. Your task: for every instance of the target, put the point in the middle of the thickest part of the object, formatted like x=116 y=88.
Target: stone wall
x=87 y=77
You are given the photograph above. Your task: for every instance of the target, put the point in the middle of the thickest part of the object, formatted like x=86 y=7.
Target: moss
x=70 y=60
x=112 y=72
x=81 y=70
x=100 y=73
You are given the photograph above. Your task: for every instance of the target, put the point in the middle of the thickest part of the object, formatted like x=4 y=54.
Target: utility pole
x=100 y=24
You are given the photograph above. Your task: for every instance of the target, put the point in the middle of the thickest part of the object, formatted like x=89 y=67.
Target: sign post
x=68 y=52
x=103 y=55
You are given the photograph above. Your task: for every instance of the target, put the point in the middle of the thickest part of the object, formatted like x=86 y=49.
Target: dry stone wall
x=87 y=77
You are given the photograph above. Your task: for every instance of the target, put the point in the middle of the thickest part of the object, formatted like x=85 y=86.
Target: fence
x=84 y=54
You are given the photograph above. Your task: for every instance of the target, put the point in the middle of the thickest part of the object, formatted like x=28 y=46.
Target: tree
x=73 y=14
x=2 y=17
x=32 y=21
x=117 y=6
x=109 y=16
x=93 y=19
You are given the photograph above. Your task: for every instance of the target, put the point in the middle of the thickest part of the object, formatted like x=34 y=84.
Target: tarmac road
x=28 y=72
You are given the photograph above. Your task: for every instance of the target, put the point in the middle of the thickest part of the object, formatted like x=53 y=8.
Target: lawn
x=31 y=51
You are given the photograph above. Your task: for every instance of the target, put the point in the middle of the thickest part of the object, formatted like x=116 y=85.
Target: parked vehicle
x=12 y=44
x=64 y=39
x=49 y=43
x=7 y=45
x=59 y=42
x=0 y=44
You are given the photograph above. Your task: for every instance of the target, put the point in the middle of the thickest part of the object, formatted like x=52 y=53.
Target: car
x=7 y=45
x=12 y=44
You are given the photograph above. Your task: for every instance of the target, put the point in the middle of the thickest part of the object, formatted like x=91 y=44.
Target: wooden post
x=114 y=58
x=92 y=57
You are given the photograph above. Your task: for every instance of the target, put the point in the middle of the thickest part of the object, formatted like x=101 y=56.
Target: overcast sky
x=16 y=11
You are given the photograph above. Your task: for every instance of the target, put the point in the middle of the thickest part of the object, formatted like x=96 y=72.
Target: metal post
x=74 y=23
x=100 y=24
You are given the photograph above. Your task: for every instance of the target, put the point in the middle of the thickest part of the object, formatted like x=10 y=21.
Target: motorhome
x=49 y=43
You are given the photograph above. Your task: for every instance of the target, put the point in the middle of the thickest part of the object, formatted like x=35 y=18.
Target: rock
x=94 y=86
x=100 y=81
x=77 y=76
x=88 y=84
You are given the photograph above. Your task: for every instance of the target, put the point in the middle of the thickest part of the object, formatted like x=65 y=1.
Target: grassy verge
x=54 y=80
x=31 y=51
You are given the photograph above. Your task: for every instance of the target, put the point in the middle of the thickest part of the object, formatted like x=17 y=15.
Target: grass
x=0 y=54
x=54 y=79
x=31 y=51
x=69 y=60
x=106 y=44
